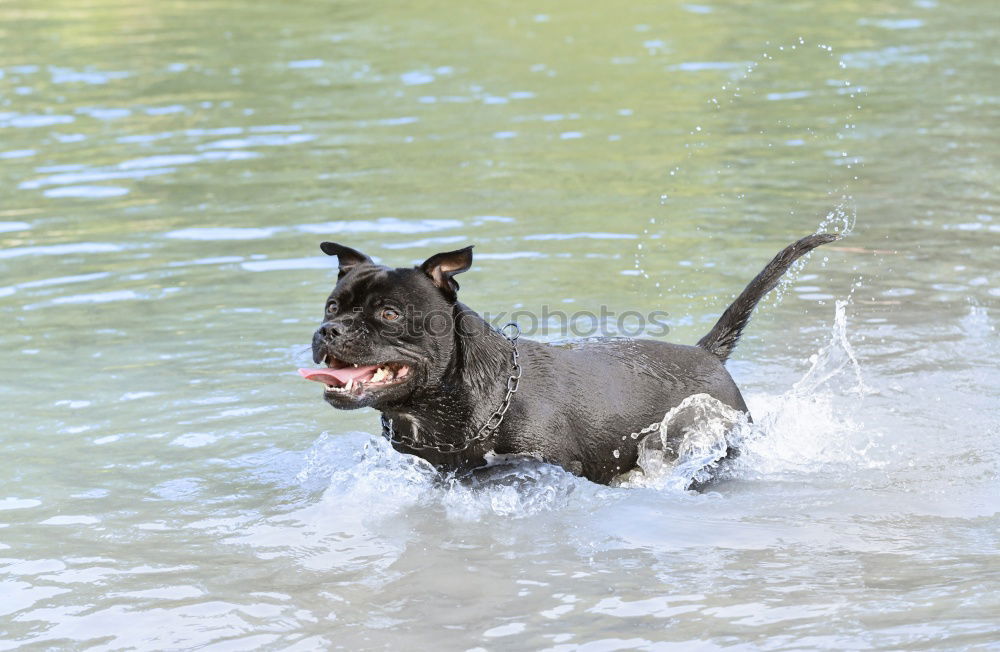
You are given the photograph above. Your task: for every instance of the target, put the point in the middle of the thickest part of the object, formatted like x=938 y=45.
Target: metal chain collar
x=487 y=428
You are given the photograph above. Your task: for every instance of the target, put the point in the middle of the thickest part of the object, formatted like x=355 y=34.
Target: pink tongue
x=338 y=377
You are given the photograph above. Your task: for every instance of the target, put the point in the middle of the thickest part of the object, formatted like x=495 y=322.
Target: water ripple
x=61 y=249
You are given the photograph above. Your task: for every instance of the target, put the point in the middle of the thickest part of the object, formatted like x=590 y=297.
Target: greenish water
x=168 y=482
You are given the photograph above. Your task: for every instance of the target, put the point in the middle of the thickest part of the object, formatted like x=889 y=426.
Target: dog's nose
x=323 y=338
x=330 y=329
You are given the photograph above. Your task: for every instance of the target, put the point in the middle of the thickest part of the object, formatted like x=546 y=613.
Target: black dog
x=451 y=389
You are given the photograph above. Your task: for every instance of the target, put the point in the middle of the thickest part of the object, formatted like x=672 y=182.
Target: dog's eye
x=389 y=314
x=331 y=307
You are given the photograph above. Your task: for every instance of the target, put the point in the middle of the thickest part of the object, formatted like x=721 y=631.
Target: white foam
x=687 y=447
x=376 y=482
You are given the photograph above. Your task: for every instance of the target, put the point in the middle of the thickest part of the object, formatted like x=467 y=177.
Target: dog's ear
x=441 y=267
x=346 y=257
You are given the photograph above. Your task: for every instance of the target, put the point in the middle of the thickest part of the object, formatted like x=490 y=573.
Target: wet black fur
x=575 y=402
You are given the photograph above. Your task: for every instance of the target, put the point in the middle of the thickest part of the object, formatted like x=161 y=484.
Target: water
x=167 y=481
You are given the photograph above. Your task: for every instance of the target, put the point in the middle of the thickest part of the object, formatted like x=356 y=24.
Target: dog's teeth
x=350 y=385
x=355 y=364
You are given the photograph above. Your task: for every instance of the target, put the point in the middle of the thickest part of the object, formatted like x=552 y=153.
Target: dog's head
x=386 y=332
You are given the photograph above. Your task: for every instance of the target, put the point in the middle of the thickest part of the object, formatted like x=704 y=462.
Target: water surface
x=168 y=482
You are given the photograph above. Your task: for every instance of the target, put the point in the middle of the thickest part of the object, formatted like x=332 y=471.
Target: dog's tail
x=721 y=340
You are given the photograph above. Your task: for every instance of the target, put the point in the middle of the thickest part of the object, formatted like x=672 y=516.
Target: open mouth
x=345 y=378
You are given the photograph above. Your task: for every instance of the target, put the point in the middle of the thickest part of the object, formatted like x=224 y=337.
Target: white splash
x=811 y=428
x=832 y=359
x=377 y=483
x=691 y=441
